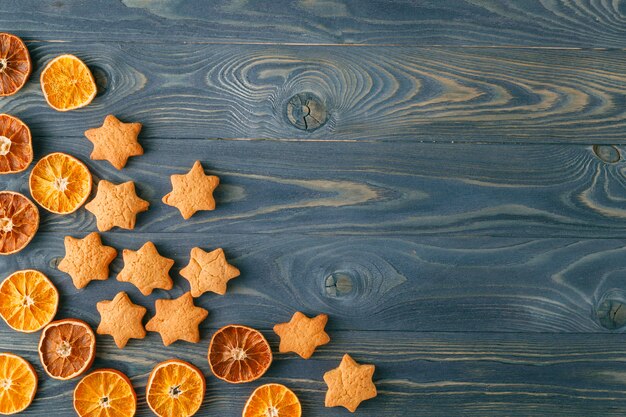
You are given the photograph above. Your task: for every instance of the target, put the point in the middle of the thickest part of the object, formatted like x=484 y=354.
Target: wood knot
x=306 y=111
x=339 y=284
x=100 y=75
x=611 y=310
x=607 y=153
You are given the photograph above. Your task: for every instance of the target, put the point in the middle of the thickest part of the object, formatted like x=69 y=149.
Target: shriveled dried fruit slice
x=175 y=389
x=239 y=354
x=67 y=348
x=60 y=183
x=16 y=148
x=19 y=221
x=273 y=400
x=15 y=64
x=67 y=83
x=18 y=383
x=105 y=393
x=28 y=300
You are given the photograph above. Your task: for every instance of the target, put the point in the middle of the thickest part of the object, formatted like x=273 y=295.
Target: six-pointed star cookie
x=116 y=205
x=349 y=384
x=86 y=259
x=177 y=320
x=192 y=192
x=208 y=271
x=121 y=319
x=146 y=269
x=115 y=141
x=302 y=334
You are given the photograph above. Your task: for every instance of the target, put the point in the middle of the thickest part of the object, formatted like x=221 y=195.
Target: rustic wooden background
x=460 y=215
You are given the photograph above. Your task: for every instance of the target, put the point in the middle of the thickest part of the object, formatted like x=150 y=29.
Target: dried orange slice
x=15 y=64
x=18 y=383
x=67 y=83
x=273 y=400
x=60 y=183
x=19 y=221
x=16 y=147
x=175 y=389
x=239 y=354
x=67 y=348
x=105 y=393
x=28 y=301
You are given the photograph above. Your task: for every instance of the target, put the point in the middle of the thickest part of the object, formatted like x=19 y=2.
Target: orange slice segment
x=28 y=301
x=19 y=221
x=15 y=64
x=273 y=400
x=67 y=83
x=18 y=383
x=105 y=393
x=16 y=147
x=60 y=183
x=67 y=348
x=175 y=389
x=239 y=354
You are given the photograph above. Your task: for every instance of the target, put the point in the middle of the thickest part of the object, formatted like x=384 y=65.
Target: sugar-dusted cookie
x=302 y=334
x=177 y=319
x=146 y=269
x=121 y=319
x=116 y=205
x=115 y=141
x=86 y=259
x=192 y=191
x=349 y=384
x=208 y=271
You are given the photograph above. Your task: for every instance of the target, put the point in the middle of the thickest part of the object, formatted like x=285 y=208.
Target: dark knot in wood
x=611 y=310
x=338 y=284
x=607 y=153
x=306 y=111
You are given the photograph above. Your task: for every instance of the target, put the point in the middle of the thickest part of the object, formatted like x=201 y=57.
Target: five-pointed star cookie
x=116 y=205
x=208 y=271
x=349 y=384
x=86 y=259
x=115 y=141
x=177 y=320
x=146 y=269
x=302 y=334
x=192 y=192
x=121 y=319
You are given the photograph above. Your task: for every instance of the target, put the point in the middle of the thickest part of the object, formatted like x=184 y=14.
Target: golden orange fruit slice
x=28 y=300
x=16 y=147
x=15 y=64
x=273 y=400
x=60 y=183
x=175 y=389
x=18 y=383
x=19 y=221
x=105 y=393
x=67 y=348
x=67 y=83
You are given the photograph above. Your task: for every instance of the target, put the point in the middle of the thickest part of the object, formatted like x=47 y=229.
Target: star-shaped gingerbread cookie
x=86 y=259
x=208 y=271
x=115 y=141
x=121 y=319
x=192 y=191
x=146 y=269
x=116 y=205
x=177 y=320
x=349 y=384
x=302 y=335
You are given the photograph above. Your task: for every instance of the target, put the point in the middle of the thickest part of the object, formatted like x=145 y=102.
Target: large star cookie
x=177 y=320
x=116 y=205
x=349 y=384
x=302 y=334
x=115 y=141
x=208 y=271
x=146 y=269
x=192 y=191
x=86 y=259
x=121 y=319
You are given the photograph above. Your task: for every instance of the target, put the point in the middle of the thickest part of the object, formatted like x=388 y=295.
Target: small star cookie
x=192 y=191
x=116 y=205
x=146 y=269
x=349 y=384
x=86 y=259
x=115 y=141
x=208 y=271
x=302 y=334
x=177 y=320
x=121 y=319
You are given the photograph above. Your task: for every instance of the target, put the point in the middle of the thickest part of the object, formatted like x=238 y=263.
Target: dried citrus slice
x=15 y=64
x=105 y=393
x=67 y=348
x=19 y=221
x=175 y=389
x=273 y=400
x=67 y=83
x=16 y=148
x=60 y=183
x=18 y=383
x=28 y=300
x=239 y=354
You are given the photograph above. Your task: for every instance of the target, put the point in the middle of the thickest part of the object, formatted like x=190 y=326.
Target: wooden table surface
x=455 y=201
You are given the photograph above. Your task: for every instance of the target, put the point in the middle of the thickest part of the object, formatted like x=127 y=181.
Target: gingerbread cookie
x=121 y=319
x=86 y=259
x=192 y=192
x=208 y=271
x=115 y=141
x=116 y=205
x=349 y=384
x=177 y=320
x=302 y=334
x=146 y=269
